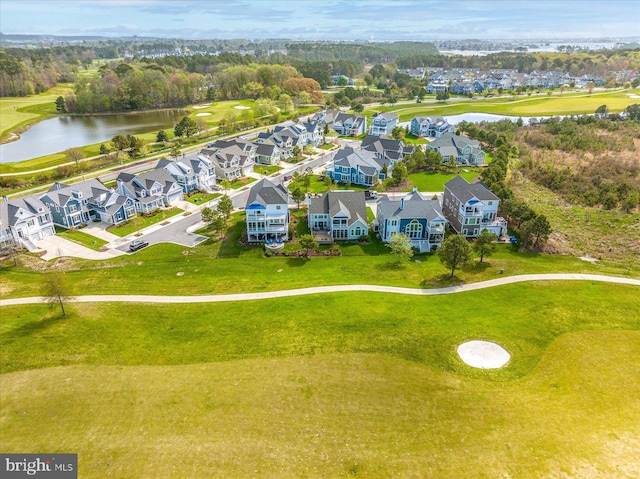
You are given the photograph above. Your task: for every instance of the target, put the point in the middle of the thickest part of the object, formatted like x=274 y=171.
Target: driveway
x=57 y=247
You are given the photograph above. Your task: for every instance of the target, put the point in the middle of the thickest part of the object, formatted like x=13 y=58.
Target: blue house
x=419 y=218
x=383 y=123
x=358 y=167
x=74 y=205
x=431 y=126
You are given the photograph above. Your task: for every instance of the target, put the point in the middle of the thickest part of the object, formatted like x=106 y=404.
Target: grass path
x=330 y=289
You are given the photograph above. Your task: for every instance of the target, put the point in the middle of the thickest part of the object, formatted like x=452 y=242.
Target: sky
x=385 y=20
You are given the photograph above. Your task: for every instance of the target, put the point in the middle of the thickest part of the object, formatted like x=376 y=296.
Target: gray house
x=149 y=190
x=338 y=215
x=464 y=150
x=194 y=174
x=419 y=218
x=267 y=212
x=383 y=123
x=470 y=208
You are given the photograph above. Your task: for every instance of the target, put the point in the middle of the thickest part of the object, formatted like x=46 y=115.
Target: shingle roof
x=414 y=206
x=465 y=191
x=266 y=193
x=351 y=202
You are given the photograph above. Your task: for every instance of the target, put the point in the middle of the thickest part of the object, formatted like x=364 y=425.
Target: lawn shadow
x=441 y=281
x=36 y=327
x=297 y=261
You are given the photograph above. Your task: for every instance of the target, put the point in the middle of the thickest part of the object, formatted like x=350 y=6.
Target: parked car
x=287 y=177
x=137 y=244
x=370 y=195
x=321 y=178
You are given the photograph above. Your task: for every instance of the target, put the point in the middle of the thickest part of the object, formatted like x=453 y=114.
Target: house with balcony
x=349 y=125
x=267 y=212
x=358 y=167
x=431 y=126
x=461 y=148
x=386 y=150
x=470 y=208
x=107 y=205
x=25 y=221
x=194 y=174
x=437 y=85
x=338 y=215
x=267 y=154
x=420 y=218
x=69 y=204
x=232 y=159
x=149 y=190
x=383 y=123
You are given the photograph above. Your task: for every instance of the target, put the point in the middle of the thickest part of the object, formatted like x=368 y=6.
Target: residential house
x=286 y=138
x=194 y=174
x=69 y=204
x=338 y=215
x=383 y=123
x=464 y=150
x=358 y=167
x=107 y=205
x=349 y=125
x=416 y=73
x=232 y=159
x=267 y=154
x=470 y=208
x=25 y=221
x=342 y=80
x=437 y=86
x=387 y=150
x=267 y=212
x=421 y=219
x=431 y=126
x=149 y=190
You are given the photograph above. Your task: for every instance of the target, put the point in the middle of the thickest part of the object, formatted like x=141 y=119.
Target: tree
x=285 y=103
x=307 y=243
x=298 y=196
x=400 y=245
x=485 y=244
x=208 y=214
x=399 y=173
x=162 y=136
x=442 y=96
x=103 y=149
x=61 y=105
x=454 y=252
x=398 y=133
x=225 y=206
x=633 y=111
x=358 y=107
x=215 y=220
x=590 y=86
x=226 y=184
x=55 y=290
x=75 y=154
x=175 y=151
x=187 y=126
x=602 y=111
x=120 y=142
x=295 y=151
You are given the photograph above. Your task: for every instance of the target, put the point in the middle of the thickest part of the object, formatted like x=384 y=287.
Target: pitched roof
x=452 y=145
x=266 y=193
x=332 y=202
x=413 y=205
x=61 y=193
x=464 y=191
x=9 y=209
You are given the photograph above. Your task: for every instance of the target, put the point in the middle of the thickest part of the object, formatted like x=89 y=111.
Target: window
x=73 y=208
x=490 y=203
x=278 y=207
x=358 y=231
x=413 y=230
x=393 y=223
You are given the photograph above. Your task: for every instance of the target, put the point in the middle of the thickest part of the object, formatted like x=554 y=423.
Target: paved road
x=332 y=289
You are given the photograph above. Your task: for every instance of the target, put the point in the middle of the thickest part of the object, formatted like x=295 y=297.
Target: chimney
x=402 y=203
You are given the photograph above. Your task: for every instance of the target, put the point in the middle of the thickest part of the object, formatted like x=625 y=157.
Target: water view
x=58 y=134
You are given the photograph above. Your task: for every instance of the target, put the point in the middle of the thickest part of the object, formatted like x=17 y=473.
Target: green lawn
x=331 y=385
x=214 y=266
x=266 y=169
x=242 y=182
x=200 y=198
x=568 y=103
x=140 y=222
x=80 y=237
x=435 y=180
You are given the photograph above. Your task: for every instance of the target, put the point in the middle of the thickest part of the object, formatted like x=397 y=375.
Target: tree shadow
x=297 y=261
x=36 y=327
x=441 y=281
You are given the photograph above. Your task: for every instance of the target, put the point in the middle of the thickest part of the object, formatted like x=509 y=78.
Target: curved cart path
x=329 y=289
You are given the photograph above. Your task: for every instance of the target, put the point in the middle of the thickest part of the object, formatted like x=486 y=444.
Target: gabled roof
x=389 y=116
x=465 y=191
x=412 y=206
x=61 y=193
x=266 y=193
x=9 y=209
x=366 y=161
x=332 y=202
x=452 y=145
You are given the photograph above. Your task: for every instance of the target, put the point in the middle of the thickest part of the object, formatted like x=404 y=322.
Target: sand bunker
x=204 y=113
x=483 y=354
x=241 y=107
x=631 y=95
x=199 y=107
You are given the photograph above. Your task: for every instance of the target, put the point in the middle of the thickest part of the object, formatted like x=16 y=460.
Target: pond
x=58 y=134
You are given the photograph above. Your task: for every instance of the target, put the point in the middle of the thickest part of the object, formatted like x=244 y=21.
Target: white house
x=267 y=212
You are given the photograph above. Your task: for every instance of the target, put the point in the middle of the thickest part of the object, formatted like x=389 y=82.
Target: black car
x=137 y=244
